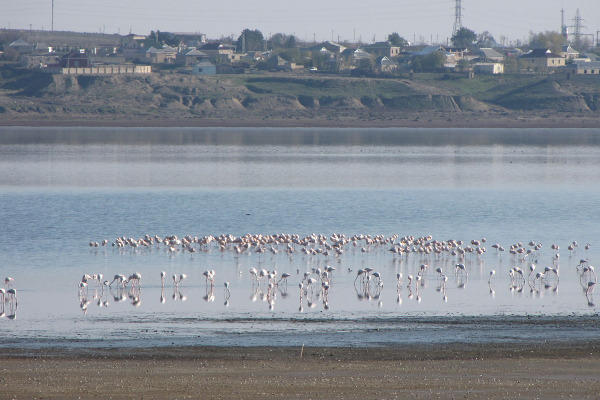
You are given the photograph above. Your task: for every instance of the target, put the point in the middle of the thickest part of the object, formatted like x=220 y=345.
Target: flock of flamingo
x=418 y=259
x=449 y=259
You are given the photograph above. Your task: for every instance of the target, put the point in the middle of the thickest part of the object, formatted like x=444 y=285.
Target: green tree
x=464 y=38
x=250 y=40
x=546 y=40
x=429 y=63
x=396 y=40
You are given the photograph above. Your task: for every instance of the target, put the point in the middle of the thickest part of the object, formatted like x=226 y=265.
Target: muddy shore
x=492 y=371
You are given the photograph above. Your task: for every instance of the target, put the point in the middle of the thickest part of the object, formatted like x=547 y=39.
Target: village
x=467 y=54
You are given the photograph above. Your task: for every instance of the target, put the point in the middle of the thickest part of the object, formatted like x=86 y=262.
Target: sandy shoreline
x=493 y=371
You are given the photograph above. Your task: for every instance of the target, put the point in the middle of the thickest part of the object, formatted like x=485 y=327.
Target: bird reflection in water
x=8 y=294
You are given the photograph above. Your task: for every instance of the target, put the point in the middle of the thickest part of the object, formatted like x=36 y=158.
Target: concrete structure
x=39 y=60
x=585 y=68
x=488 y=68
x=541 y=59
x=102 y=70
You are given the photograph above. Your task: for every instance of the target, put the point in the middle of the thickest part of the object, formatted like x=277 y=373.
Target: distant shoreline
x=417 y=121
x=244 y=133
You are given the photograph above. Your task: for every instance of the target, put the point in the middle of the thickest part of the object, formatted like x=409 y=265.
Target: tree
x=250 y=40
x=396 y=40
x=277 y=41
x=485 y=39
x=464 y=38
x=546 y=40
x=290 y=43
x=429 y=63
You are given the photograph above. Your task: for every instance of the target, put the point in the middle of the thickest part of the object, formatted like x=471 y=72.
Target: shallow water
x=57 y=197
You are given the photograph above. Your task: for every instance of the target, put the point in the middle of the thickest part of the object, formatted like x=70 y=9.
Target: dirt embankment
x=29 y=96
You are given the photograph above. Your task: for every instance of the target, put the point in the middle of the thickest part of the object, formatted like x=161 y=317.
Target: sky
x=422 y=20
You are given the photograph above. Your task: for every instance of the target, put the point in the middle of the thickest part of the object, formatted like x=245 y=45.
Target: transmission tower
x=578 y=27
x=563 y=28
x=457 y=17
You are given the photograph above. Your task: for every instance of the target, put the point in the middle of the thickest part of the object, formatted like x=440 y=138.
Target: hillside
x=27 y=95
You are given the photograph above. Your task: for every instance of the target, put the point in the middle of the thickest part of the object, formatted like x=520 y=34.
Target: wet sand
x=491 y=371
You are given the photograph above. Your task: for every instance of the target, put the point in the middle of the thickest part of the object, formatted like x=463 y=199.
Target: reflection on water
x=56 y=198
x=164 y=166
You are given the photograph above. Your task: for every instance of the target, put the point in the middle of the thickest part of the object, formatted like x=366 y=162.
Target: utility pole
x=457 y=17
x=52 y=24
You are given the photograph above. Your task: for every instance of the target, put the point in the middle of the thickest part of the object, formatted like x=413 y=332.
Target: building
x=333 y=47
x=386 y=65
x=216 y=49
x=585 y=68
x=192 y=57
x=204 y=67
x=489 y=55
x=541 y=59
x=568 y=52
x=488 y=68
x=21 y=46
x=358 y=55
x=75 y=59
x=384 y=49
x=165 y=55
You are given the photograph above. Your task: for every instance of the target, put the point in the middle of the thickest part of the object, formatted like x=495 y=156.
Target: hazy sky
x=347 y=19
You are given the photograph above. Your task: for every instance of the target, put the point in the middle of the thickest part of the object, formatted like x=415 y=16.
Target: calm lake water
x=80 y=186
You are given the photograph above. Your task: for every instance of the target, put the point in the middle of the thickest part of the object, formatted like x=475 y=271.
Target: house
x=192 y=57
x=165 y=55
x=216 y=49
x=333 y=47
x=427 y=50
x=21 y=46
x=386 y=65
x=384 y=49
x=568 y=52
x=541 y=59
x=488 y=68
x=489 y=55
x=585 y=68
x=358 y=55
